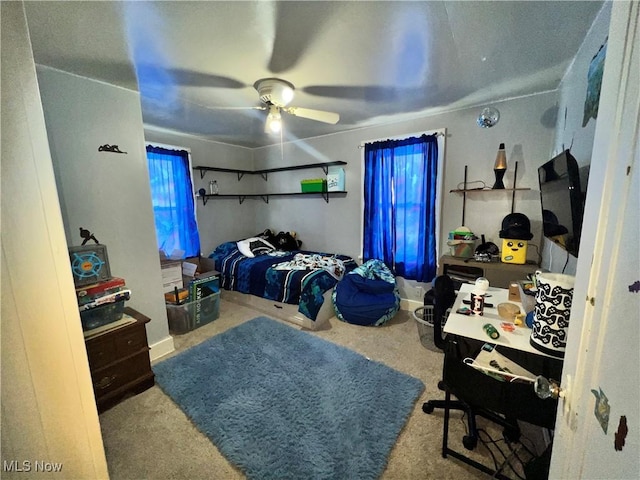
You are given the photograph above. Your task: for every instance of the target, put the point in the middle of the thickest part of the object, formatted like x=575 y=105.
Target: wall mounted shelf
x=265 y=172
x=465 y=191
x=265 y=196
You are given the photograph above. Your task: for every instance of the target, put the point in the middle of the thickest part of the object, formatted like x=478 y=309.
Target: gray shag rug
x=281 y=403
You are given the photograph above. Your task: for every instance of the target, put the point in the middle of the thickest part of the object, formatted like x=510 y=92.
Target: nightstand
x=119 y=361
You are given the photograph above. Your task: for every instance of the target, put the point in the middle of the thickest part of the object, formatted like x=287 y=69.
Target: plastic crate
x=189 y=316
x=102 y=315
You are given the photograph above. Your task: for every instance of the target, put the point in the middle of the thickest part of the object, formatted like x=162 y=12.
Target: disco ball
x=488 y=117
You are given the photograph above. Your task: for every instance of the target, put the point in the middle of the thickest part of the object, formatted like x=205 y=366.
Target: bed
x=292 y=285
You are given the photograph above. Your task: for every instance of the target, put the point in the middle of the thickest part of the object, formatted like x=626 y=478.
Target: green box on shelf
x=314 y=185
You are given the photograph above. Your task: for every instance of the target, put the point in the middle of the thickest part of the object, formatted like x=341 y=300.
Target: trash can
x=424 y=319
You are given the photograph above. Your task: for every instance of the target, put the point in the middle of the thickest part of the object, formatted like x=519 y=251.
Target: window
x=399 y=224
x=173 y=201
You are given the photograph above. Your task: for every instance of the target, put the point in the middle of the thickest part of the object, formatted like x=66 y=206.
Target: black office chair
x=444 y=298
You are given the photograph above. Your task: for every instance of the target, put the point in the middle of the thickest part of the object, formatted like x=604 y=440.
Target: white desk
x=470 y=326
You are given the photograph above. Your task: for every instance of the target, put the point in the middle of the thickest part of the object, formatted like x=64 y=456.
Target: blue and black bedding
x=295 y=277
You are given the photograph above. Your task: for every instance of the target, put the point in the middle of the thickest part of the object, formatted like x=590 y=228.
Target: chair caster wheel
x=469 y=442
x=427 y=407
x=441 y=386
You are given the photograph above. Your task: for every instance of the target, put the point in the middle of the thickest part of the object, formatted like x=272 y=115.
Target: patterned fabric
x=257 y=276
x=334 y=266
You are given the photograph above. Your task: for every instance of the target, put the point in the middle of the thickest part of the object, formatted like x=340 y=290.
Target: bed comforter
x=266 y=276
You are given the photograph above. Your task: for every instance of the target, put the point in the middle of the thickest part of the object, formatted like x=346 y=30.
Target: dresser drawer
x=131 y=341
x=101 y=352
x=112 y=378
x=119 y=361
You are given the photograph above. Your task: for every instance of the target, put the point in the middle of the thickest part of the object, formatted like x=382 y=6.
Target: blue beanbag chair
x=368 y=295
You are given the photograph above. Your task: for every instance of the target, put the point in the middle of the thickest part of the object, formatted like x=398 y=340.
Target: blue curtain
x=173 y=202
x=400 y=205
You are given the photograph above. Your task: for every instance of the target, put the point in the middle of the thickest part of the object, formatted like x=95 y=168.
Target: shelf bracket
x=202 y=173
x=240 y=175
x=265 y=198
x=204 y=200
x=241 y=198
x=325 y=195
x=265 y=176
x=325 y=169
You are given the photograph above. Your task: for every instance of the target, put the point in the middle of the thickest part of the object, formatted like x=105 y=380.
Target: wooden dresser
x=119 y=361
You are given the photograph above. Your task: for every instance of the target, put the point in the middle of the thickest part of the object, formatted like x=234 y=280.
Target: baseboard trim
x=161 y=348
x=409 y=305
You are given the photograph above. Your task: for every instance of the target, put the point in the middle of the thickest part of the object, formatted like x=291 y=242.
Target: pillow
x=253 y=246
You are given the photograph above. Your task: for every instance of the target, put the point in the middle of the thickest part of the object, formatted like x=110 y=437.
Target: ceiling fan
x=276 y=94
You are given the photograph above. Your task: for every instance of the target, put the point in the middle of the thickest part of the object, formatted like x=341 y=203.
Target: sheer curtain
x=400 y=179
x=173 y=202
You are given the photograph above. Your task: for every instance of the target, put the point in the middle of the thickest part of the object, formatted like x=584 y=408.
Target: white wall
x=569 y=132
x=106 y=193
x=48 y=408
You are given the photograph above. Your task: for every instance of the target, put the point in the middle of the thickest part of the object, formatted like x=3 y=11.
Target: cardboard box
x=314 y=185
x=204 y=265
x=171 y=276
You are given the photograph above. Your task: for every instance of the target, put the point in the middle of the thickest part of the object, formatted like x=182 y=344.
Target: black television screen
x=562 y=193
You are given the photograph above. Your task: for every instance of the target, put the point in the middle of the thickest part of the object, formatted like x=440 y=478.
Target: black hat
x=516 y=226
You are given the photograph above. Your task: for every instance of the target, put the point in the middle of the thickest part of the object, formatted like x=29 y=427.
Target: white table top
x=470 y=326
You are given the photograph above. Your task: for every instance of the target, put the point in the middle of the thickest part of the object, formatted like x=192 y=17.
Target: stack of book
x=101 y=304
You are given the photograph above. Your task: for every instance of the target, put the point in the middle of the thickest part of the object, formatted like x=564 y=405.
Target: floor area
x=148 y=437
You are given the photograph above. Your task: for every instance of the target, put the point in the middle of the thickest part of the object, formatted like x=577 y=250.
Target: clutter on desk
x=462 y=242
x=515 y=234
x=508 y=311
x=486 y=251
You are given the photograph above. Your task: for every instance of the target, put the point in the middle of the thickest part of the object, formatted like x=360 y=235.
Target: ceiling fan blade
x=319 y=115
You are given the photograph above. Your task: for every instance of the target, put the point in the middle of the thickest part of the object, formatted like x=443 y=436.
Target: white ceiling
x=194 y=63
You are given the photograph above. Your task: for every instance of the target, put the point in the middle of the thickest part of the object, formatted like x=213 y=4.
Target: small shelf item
x=464 y=191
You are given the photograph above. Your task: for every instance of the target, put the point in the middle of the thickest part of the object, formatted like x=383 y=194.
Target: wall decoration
x=621 y=434
x=602 y=409
x=594 y=83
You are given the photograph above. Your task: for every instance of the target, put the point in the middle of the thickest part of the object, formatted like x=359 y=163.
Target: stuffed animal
x=287 y=241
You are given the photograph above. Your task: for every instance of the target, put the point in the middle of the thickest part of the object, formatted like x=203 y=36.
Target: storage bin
x=189 y=316
x=313 y=185
x=335 y=179
x=102 y=315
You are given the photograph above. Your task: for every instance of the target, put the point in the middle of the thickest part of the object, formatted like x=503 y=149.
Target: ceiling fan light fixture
x=274 y=90
x=274 y=120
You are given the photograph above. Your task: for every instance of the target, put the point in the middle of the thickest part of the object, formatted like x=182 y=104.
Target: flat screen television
x=563 y=188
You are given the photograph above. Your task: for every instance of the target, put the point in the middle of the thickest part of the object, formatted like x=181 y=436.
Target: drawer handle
x=105 y=382
x=129 y=342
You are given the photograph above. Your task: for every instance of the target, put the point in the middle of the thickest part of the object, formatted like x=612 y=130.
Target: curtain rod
x=437 y=133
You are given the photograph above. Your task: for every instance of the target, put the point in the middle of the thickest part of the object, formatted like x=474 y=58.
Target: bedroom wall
x=569 y=132
x=106 y=193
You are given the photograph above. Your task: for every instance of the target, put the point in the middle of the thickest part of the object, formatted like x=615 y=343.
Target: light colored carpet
x=148 y=437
